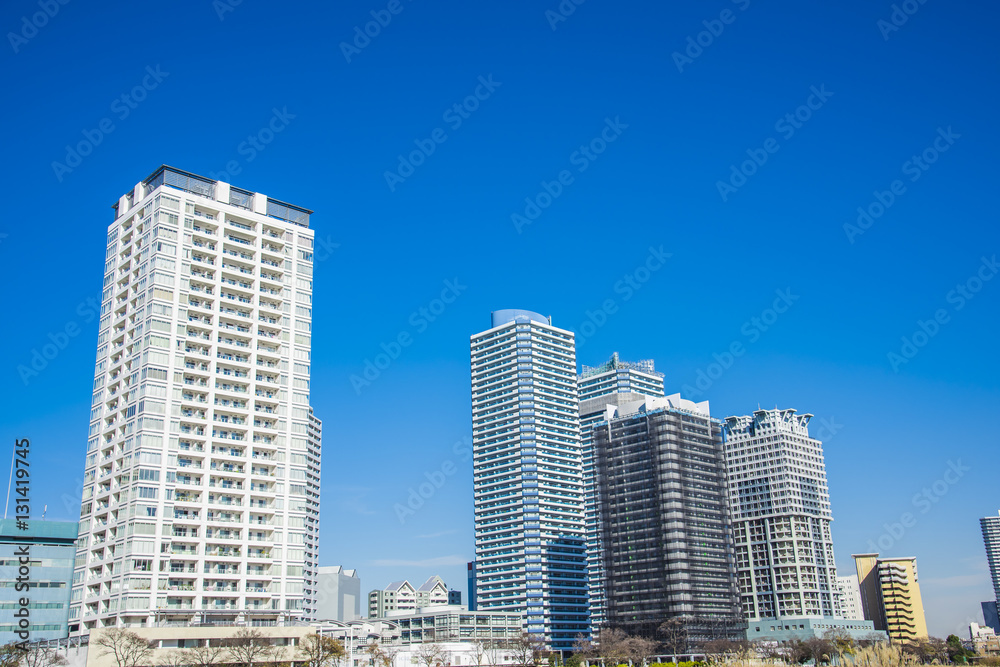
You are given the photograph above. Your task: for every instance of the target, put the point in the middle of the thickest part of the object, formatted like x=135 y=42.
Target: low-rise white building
x=338 y=594
x=404 y=597
x=459 y=636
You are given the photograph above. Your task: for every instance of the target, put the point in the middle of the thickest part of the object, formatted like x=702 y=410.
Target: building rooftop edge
x=191 y=174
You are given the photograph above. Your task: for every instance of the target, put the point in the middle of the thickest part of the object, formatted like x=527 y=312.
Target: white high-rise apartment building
x=201 y=486
x=614 y=382
x=530 y=551
x=850 y=598
x=780 y=507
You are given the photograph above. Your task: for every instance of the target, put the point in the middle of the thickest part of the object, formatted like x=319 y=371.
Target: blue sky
x=387 y=246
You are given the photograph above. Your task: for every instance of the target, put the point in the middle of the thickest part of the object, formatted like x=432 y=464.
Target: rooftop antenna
x=10 y=480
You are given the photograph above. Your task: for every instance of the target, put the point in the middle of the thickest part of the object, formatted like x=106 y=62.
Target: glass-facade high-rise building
x=201 y=482
x=781 y=514
x=528 y=478
x=611 y=383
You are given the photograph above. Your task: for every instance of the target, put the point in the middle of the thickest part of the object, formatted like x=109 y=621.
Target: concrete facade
x=201 y=481
x=338 y=594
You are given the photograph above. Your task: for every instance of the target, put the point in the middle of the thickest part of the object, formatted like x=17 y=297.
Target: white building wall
x=850 y=598
x=201 y=485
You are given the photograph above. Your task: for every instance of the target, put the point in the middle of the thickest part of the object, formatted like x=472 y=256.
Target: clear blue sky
x=656 y=184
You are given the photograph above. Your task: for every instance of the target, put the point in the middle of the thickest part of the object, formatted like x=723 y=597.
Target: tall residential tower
x=781 y=517
x=201 y=482
x=991 y=538
x=667 y=542
x=610 y=384
x=530 y=551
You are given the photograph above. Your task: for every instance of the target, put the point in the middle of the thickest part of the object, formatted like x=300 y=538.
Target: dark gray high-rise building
x=612 y=383
x=668 y=550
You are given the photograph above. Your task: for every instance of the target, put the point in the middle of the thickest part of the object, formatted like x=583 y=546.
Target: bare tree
x=174 y=659
x=871 y=639
x=249 y=647
x=675 y=635
x=814 y=648
x=928 y=649
x=612 y=645
x=483 y=651
x=430 y=655
x=321 y=651
x=43 y=656
x=725 y=646
x=11 y=655
x=389 y=656
x=126 y=647
x=207 y=654
x=381 y=656
x=639 y=650
x=585 y=648
x=526 y=649
x=840 y=641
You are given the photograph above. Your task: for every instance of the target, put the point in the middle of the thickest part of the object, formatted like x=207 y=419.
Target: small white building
x=338 y=594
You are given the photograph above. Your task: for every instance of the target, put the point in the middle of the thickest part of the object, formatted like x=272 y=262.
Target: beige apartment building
x=890 y=596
